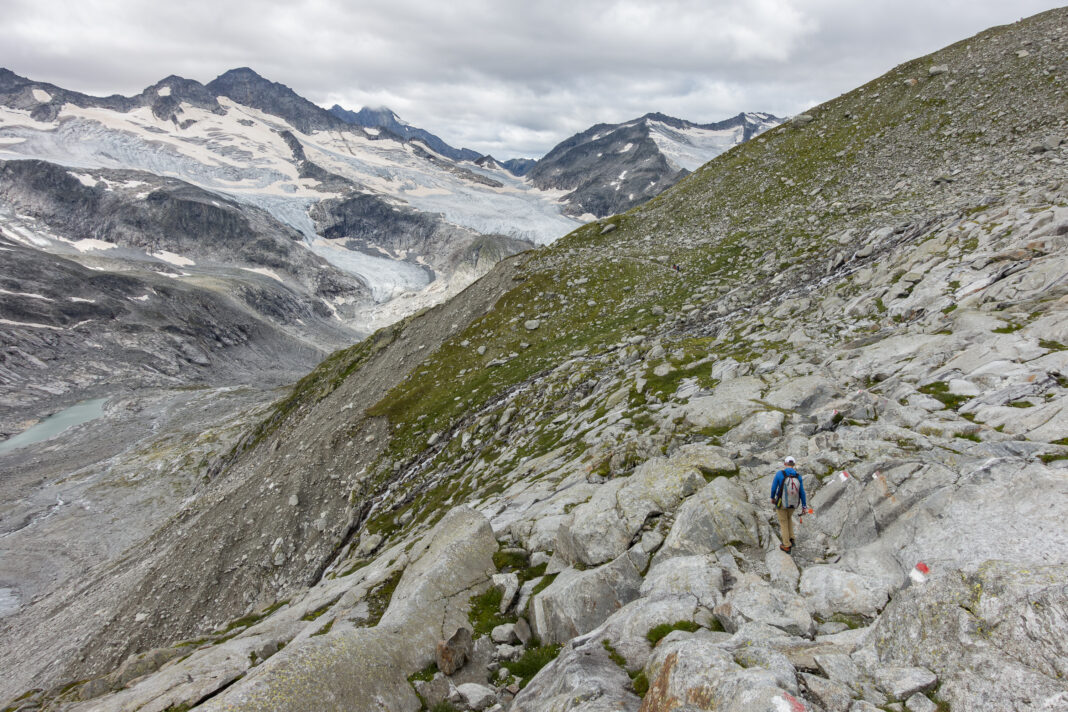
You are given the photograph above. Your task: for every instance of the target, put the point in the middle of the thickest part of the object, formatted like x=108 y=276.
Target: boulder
x=752 y=599
x=782 y=570
x=367 y=668
x=451 y=654
x=804 y=395
x=504 y=633
x=477 y=697
x=829 y=590
x=603 y=528
x=758 y=429
x=579 y=601
x=695 y=672
x=900 y=683
x=579 y=680
x=728 y=405
x=699 y=576
x=832 y=696
x=627 y=629
x=719 y=514
x=508 y=585
x=596 y=532
x=1006 y=617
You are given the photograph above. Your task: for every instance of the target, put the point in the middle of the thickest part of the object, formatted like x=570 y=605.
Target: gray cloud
x=503 y=77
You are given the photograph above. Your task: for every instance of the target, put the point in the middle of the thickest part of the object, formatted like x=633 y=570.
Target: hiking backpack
x=791 y=491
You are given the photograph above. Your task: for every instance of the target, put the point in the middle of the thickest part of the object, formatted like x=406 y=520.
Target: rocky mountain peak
x=245 y=86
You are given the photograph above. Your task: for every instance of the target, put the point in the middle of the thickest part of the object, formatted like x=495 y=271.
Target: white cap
x=790 y=461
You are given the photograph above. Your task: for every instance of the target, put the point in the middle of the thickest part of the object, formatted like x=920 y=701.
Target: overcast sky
x=507 y=77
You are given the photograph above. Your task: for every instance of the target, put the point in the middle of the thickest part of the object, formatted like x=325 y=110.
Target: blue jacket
x=780 y=478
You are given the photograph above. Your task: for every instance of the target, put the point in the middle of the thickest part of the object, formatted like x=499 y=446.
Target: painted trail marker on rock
x=789 y=703
x=919 y=572
x=843 y=476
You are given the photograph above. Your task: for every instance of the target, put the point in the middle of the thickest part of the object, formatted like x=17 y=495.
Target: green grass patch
x=532 y=660
x=1053 y=457
x=939 y=390
x=1020 y=404
x=613 y=654
x=325 y=629
x=543 y=584
x=974 y=437
x=509 y=560
x=379 y=597
x=426 y=674
x=1052 y=345
x=1008 y=328
x=640 y=683
x=485 y=612
x=657 y=632
x=312 y=615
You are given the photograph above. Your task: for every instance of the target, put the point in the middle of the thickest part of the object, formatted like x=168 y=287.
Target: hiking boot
x=785 y=548
x=793 y=543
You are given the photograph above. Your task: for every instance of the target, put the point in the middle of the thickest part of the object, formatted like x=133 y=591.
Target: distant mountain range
x=310 y=221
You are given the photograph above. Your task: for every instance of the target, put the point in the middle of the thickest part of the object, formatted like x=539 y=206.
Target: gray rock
x=699 y=576
x=504 y=633
x=920 y=703
x=1003 y=617
x=579 y=680
x=829 y=590
x=937 y=69
x=434 y=690
x=451 y=654
x=508 y=585
x=602 y=529
x=782 y=570
x=832 y=696
x=477 y=697
x=752 y=599
x=531 y=324
x=758 y=429
x=719 y=514
x=627 y=629
x=350 y=666
x=579 y=601
x=805 y=394
x=522 y=630
x=900 y=683
x=729 y=404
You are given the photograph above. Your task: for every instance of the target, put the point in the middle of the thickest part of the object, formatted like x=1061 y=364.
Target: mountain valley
x=549 y=490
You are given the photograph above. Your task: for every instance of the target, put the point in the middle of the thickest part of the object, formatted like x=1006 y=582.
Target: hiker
x=787 y=492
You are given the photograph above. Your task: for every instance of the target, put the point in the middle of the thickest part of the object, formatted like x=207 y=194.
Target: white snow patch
x=142 y=298
x=172 y=258
x=30 y=324
x=164 y=91
x=386 y=277
x=90 y=244
x=81 y=299
x=85 y=179
x=27 y=294
x=626 y=148
x=42 y=96
x=265 y=272
x=622 y=175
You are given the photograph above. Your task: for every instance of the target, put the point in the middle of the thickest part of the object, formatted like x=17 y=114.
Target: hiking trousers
x=786 y=525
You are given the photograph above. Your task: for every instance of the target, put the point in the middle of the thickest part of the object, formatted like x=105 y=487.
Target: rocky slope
x=578 y=449
x=99 y=297
x=610 y=168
